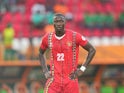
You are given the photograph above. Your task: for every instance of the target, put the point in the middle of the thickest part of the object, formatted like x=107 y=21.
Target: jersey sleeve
x=81 y=40
x=44 y=42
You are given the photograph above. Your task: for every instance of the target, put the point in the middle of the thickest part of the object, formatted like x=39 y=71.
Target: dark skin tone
x=59 y=23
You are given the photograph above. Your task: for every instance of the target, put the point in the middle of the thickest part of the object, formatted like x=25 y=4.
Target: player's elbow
x=93 y=51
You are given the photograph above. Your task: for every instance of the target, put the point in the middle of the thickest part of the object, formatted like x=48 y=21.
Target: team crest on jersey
x=69 y=43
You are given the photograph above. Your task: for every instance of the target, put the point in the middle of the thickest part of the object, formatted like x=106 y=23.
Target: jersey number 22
x=60 y=56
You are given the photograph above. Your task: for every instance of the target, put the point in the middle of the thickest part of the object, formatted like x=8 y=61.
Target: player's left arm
x=86 y=45
x=91 y=52
x=81 y=40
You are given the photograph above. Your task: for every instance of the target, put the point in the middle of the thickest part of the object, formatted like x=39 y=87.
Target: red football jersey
x=62 y=52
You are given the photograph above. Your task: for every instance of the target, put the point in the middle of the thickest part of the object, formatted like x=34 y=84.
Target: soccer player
x=64 y=45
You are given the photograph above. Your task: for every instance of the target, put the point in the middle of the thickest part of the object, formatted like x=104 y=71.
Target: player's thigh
x=52 y=87
x=72 y=87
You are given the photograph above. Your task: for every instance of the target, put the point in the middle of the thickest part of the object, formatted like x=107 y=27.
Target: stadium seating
x=22 y=19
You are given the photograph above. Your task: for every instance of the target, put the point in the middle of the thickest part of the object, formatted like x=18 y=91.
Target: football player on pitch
x=64 y=45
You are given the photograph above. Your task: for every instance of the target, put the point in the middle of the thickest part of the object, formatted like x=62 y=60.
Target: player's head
x=59 y=22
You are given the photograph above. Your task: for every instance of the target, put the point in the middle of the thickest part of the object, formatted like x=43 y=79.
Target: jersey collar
x=59 y=37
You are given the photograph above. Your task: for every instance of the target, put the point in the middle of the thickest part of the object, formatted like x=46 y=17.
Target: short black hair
x=59 y=14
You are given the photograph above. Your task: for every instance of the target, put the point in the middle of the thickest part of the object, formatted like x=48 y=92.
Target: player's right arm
x=42 y=49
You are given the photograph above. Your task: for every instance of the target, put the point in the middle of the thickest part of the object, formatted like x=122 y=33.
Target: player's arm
x=42 y=60
x=81 y=40
x=42 y=49
x=91 y=52
x=43 y=64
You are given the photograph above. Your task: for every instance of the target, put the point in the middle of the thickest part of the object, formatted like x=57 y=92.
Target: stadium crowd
x=24 y=20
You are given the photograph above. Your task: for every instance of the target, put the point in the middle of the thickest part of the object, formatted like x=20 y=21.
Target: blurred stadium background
x=24 y=22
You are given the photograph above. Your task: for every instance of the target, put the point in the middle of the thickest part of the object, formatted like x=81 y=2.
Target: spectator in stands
x=38 y=13
x=20 y=88
x=99 y=19
x=21 y=6
x=49 y=17
x=36 y=87
x=38 y=20
x=2 y=7
x=69 y=16
x=8 y=37
x=60 y=8
x=83 y=87
x=95 y=87
x=5 y=89
x=89 y=20
x=121 y=20
x=38 y=7
x=109 y=21
x=49 y=5
x=7 y=5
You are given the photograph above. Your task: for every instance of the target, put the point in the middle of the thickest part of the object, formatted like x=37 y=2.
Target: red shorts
x=68 y=86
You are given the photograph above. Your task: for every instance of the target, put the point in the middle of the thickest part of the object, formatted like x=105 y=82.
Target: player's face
x=59 y=23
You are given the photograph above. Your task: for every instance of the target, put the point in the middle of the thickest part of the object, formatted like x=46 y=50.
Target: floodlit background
x=23 y=24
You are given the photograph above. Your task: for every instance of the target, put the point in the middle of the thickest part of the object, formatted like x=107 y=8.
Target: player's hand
x=48 y=74
x=76 y=74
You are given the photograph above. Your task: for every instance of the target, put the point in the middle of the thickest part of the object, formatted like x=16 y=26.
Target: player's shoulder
x=48 y=33
x=70 y=31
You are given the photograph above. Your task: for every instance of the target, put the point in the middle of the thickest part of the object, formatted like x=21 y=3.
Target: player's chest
x=62 y=44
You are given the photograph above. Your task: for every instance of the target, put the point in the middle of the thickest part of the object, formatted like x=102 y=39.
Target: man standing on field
x=64 y=45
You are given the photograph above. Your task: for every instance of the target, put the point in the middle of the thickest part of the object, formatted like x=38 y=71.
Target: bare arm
x=43 y=64
x=91 y=52
x=42 y=60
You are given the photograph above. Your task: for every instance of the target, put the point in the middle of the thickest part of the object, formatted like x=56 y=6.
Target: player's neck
x=59 y=34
